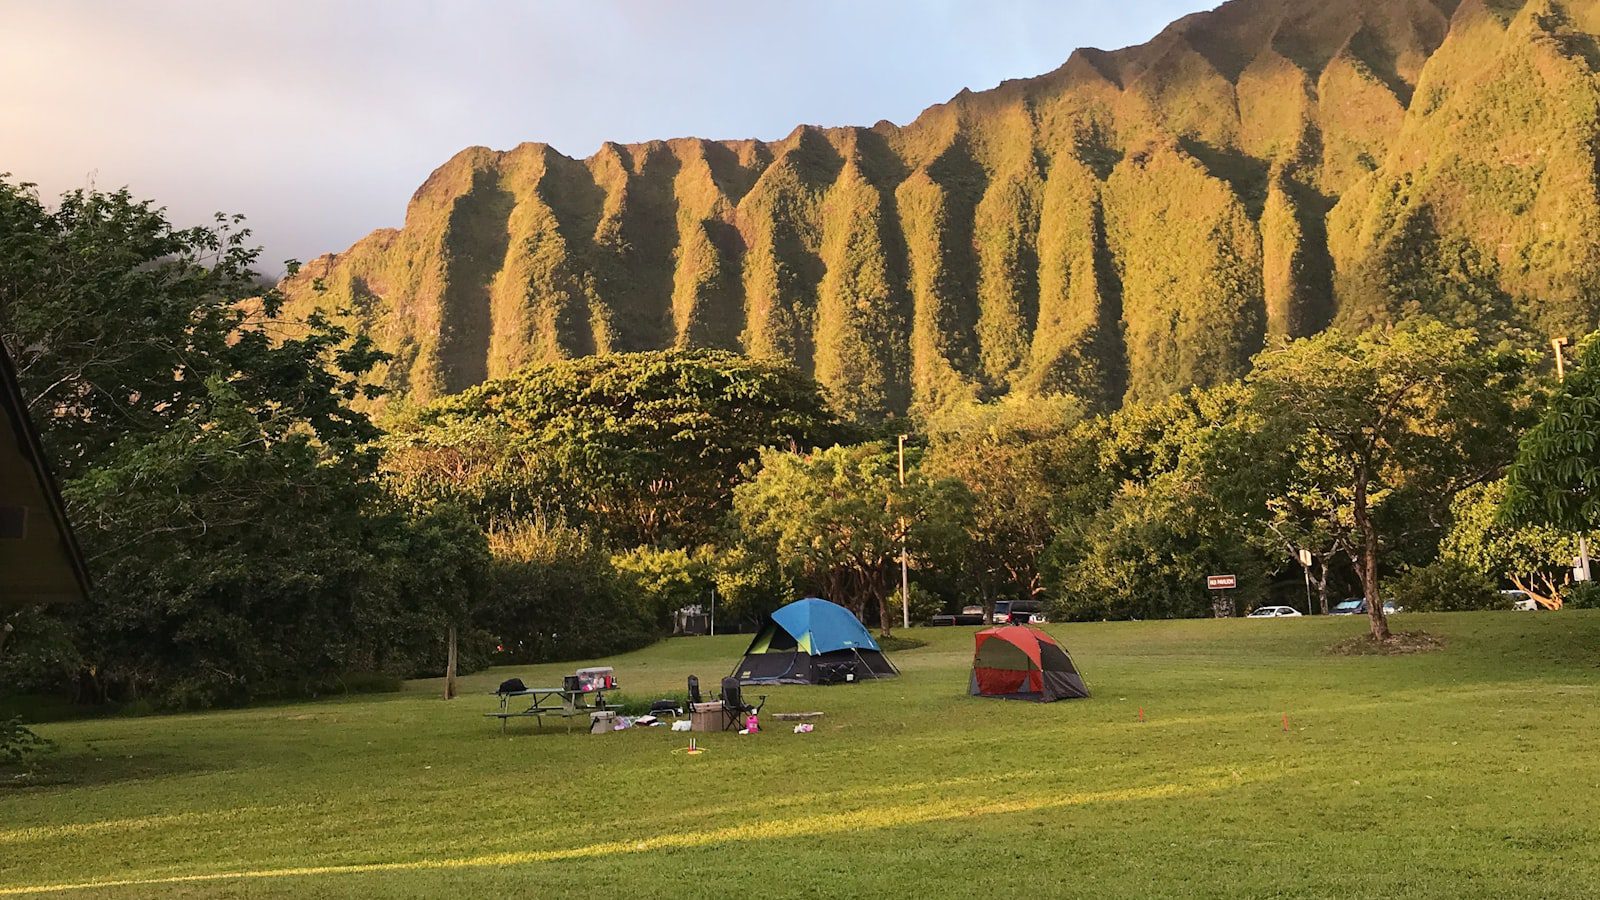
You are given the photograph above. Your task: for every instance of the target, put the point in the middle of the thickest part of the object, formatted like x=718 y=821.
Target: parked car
x=969 y=615
x=1357 y=606
x=1521 y=601
x=1274 y=612
x=1019 y=612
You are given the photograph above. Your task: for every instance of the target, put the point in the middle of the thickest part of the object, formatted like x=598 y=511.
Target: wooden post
x=450 y=666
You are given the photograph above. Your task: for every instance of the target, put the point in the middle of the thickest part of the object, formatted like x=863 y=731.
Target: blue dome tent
x=812 y=641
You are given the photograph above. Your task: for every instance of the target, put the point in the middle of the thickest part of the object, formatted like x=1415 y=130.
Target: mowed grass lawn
x=1470 y=772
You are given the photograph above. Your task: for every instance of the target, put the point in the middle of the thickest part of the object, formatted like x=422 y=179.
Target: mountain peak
x=1135 y=222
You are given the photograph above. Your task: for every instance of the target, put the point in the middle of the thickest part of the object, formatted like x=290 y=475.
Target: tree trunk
x=5 y=632
x=1322 y=586
x=1368 y=570
x=450 y=667
x=878 y=589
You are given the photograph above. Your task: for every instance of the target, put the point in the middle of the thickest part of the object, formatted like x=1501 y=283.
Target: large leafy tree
x=1020 y=458
x=1397 y=419
x=1556 y=477
x=1534 y=556
x=119 y=322
x=1141 y=523
x=837 y=519
x=645 y=446
x=1147 y=554
x=222 y=487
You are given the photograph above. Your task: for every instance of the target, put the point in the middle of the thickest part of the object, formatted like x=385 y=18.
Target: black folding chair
x=734 y=707
x=694 y=689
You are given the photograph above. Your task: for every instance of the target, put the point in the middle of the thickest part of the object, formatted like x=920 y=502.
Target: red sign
x=1221 y=582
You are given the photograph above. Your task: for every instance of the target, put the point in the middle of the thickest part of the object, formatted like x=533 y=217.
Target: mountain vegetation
x=1132 y=224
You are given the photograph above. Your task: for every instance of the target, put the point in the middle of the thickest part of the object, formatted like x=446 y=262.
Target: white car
x=1521 y=601
x=1274 y=612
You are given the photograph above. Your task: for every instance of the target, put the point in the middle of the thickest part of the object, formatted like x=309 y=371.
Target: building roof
x=40 y=560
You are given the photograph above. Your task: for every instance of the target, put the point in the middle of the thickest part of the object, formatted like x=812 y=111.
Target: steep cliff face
x=1131 y=224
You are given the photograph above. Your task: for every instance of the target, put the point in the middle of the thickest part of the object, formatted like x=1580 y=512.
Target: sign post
x=1305 y=563
x=1216 y=584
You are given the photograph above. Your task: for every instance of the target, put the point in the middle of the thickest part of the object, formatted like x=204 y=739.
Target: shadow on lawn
x=87 y=768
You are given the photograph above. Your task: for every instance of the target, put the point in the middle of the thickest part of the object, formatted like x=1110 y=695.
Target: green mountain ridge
x=1131 y=224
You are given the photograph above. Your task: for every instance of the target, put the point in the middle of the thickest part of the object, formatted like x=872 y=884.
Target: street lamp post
x=1583 y=573
x=905 y=577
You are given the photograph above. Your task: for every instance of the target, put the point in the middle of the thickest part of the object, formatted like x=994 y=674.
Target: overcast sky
x=318 y=119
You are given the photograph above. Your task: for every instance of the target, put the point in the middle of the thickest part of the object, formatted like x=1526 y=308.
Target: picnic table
x=562 y=702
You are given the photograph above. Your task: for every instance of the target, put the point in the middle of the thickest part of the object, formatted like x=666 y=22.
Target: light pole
x=1583 y=573
x=905 y=577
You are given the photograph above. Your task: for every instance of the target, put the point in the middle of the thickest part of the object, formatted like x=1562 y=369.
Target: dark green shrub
x=1581 y=595
x=1444 y=585
x=17 y=742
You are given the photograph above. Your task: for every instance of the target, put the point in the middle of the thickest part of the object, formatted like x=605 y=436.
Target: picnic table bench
x=560 y=702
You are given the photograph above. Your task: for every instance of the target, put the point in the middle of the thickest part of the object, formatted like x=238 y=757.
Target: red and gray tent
x=1021 y=663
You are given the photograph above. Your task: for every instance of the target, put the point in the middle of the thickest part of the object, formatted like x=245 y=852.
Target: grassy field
x=1470 y=772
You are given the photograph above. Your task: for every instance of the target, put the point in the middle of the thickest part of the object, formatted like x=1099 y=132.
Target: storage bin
x=707 y=716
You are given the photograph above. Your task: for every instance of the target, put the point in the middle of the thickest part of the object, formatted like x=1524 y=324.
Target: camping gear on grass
x=599 y=678
x=1018 y=662
x=602 y=721
x=812 y=641
x=734 y=705
x=707 y=716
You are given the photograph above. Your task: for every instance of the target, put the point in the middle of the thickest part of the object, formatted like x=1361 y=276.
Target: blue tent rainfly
x=812 y=641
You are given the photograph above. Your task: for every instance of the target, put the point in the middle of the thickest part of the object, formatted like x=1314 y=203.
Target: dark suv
x=1020 y=612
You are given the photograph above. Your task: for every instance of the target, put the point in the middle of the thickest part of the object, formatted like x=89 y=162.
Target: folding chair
x=734 y=707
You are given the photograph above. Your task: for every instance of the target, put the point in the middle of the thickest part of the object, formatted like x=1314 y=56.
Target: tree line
x=252 y=532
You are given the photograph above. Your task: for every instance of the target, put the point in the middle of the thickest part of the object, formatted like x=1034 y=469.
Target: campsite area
x=1469 y=771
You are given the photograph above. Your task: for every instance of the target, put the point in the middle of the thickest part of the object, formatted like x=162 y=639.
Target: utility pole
x=1584 y=574
x=905 y=577
x=713 y=610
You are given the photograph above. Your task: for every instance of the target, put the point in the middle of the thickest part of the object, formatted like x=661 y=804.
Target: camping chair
x=694 y=689
x=734 y=707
